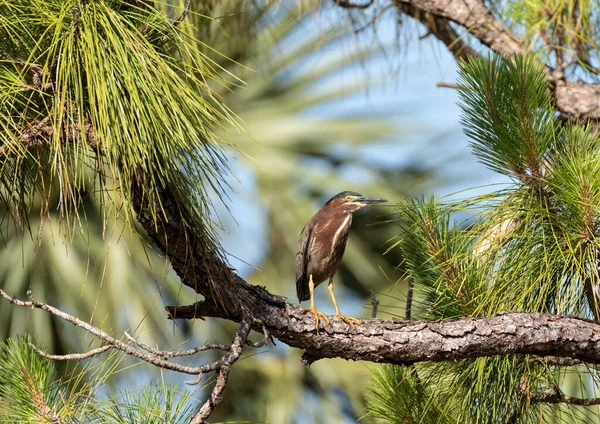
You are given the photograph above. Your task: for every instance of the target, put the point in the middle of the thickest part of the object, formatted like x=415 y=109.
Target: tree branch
x=409 y=300
x=376 y=340
x=560 y=398
x=347 y=4
x=562 y=362
x=576 y=100
x=153 y=356
x=476 y=18
x=222 y=366
x=186 y=9
x=402 y=342
x=218 y=390
x=176 y=353
x=114 y=343
x=374 y=304
x=70 y=356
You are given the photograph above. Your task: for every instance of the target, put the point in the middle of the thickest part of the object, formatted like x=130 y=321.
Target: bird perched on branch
x=321 y=248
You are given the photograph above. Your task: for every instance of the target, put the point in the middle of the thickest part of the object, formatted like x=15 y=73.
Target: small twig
x=347 y=4
x=114 y=343
x=261 y=343
x=70 y=356
x=176 y=353
x=374 y=304
x=448 y=85
x=409 y=298
x=374 y=19
x=558 y=397
x=193 y=351
x=186 y=10
x=216 y=394
x=561 y=362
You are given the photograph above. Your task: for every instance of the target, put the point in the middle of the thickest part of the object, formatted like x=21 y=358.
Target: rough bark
x=475 y=16
x=578 y=100
x=197 y=262
x=560 y=398
x=406 y=342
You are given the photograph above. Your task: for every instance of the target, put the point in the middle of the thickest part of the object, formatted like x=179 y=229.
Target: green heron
x=321 y=248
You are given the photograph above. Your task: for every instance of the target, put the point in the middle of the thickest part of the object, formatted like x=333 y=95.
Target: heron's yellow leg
x=345 y=318
x=313 y=310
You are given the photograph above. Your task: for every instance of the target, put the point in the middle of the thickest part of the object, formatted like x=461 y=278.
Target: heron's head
x=352 y=201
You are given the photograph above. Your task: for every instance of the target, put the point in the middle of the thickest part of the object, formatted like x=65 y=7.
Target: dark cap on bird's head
x=353 y=200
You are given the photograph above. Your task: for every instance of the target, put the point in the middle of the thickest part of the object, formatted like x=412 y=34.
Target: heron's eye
x=349 y=198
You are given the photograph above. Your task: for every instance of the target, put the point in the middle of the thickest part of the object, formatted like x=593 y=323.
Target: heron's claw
x=317 y=314
x=349 y=320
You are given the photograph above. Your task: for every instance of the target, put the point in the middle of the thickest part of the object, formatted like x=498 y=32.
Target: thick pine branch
x=406 y=342
x=375 y=340
x=199 y=265
x=474 y=16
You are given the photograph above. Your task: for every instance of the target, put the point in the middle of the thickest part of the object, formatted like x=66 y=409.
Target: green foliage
x=28 y=391
x=530 y=247
x=81 y=70
x=567 y=28
x=435 y=253
x=574 y=185
x=152 y=405
x=102 y=273
x=507 y=113
x=408 y=401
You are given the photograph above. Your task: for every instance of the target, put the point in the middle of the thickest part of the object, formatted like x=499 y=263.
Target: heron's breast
x=327 y=249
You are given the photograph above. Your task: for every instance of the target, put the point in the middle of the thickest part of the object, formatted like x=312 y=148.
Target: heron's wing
x=302 y=258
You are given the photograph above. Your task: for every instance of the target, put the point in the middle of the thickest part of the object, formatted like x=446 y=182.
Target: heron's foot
x=349 y=320
x=317 y=314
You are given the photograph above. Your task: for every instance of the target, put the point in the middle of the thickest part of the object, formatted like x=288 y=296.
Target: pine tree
x=530 y=246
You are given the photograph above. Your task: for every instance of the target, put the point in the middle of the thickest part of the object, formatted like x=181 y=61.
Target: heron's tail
x=302 y=289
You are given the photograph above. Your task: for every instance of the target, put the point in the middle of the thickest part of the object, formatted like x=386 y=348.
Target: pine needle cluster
x=32 y=392
x=73 y=75
x=564 y=31
x=530 y=247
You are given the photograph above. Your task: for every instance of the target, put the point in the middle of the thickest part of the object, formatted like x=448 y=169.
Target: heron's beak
x=368 y=200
